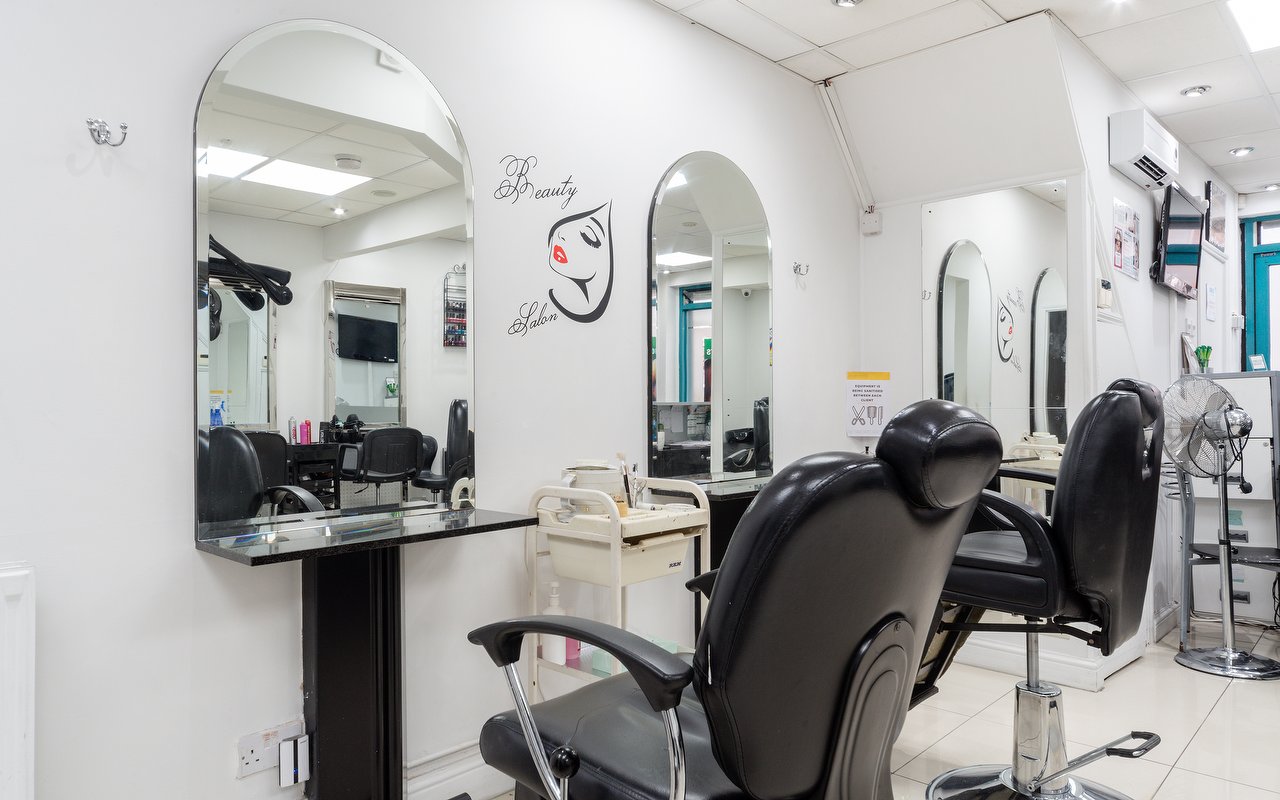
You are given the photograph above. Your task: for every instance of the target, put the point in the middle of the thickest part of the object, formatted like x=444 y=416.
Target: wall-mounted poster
x=866 y=400
x=1215 y=234
x=1125 y=239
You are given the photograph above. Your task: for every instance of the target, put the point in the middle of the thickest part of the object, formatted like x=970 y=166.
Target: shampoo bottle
x=553 y=647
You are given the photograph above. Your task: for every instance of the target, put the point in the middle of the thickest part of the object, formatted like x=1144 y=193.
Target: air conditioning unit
x=1144 y=151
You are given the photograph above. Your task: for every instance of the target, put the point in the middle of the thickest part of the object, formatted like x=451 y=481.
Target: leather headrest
x=943 y=453
x=1148 y=397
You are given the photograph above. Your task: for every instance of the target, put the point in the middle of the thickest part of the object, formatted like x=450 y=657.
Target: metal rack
x=455 y=306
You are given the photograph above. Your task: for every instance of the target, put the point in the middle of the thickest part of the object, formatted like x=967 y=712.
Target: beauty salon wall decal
x=579 y=251
x=1013 y=298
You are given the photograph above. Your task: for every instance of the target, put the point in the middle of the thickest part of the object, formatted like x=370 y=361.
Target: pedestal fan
x=1204 y=435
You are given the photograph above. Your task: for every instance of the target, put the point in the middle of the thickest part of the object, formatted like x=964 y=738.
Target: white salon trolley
x=587 y=539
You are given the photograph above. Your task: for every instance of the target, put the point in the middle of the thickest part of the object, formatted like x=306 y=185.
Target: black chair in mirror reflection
x=230 y=471
x=456 y=463
x=801 y=675
x=386 y=455
x=748 y=449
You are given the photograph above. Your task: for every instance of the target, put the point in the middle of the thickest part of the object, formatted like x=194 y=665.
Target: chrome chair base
x=995 y=782
x=1229 y=663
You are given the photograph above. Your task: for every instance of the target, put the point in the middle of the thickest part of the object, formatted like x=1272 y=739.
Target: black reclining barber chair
x=386 y=455
x=803 y=669
x=273 y=456
x=1084 y=574
x=456 y=448
x=231 y=482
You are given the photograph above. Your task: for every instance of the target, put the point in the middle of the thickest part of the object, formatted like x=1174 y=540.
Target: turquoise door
x=1259 y=259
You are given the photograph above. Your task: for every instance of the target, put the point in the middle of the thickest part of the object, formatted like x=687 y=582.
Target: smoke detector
x=347 y=161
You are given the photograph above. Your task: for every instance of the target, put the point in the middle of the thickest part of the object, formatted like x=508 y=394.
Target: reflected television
x=365 y=339
x=1179 y=241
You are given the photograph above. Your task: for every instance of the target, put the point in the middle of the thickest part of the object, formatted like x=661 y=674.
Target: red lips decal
x=557 y=253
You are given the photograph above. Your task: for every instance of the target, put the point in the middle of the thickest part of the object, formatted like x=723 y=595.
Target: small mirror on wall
x=710 y=324
x=329 y=176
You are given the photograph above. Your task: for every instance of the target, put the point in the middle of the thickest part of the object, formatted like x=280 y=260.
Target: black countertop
x=260 y=544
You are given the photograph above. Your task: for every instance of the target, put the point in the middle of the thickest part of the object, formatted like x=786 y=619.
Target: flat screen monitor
x=1178 y=241
x=367 y=339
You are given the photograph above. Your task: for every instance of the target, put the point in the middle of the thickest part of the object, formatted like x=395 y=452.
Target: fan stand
x=1226 y=660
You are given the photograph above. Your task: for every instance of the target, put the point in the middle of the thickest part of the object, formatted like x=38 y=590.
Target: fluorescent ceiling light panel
x=228 y=163
x=1259 y=20
x=681 y=259
x=677 y=180
x=288 y=175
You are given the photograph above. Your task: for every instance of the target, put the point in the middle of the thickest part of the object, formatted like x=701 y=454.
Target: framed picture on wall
x=1215 y=222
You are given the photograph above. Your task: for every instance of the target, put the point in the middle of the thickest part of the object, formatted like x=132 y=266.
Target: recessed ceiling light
x=688 y=224
x=347 y=161
x=382 y=193
x=846 y=3
x=1240 y=152
x=339 y=211
x=1196 y=91
x=666 y=272
x=288 y=175
x=1259 y=21
x=228 y=163
x=1271 y=187
x=680 y=259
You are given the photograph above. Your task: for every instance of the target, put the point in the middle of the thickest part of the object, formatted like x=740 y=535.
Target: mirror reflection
x=330 y=200
x=995 y=264
x=710 y=324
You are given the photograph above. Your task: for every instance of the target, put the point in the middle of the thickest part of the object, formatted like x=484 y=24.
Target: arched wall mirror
x=332 y=197
x=710 y=324
x=995 y=265
x=1049 y=355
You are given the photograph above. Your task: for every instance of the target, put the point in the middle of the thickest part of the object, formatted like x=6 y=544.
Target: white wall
x=143 y=639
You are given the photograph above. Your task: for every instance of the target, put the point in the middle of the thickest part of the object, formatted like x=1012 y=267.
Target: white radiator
x=17 y=682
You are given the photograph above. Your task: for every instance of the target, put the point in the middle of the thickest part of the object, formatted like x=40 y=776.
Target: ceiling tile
x=325 y=208
x=1253 y=176
x=816 y=65
x=677 y=4
x=249 y=135
x=427 y=174
x=822 y=23
x=264 y=194
x=1231 y=79
x=1164 y=44
x=918 y=33
x=309 y=219
x=386 y=137
x=1227 y=119
x=1216 y=152
x=1086 y=17
x=1268 y=63
x=319 y=151
x=365 y=192
x=244 y=209
x=735 y=21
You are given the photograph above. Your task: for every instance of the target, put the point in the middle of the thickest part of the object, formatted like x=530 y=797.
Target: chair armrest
x=1022 y=474
x=660 y=675
x=351 y=452
x=703 y=583
x=299 y=499
x=1029 y=523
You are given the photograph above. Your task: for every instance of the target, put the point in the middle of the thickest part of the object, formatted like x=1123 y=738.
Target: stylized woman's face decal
x=1004 y=332
x=580 y=248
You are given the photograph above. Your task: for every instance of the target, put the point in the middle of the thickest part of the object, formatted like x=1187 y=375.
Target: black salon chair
x=231 y=481
x=1083 y=574
x=273 y=456
x=386 y=455
x=800 y=680
x=456 y=447
x=760 y=430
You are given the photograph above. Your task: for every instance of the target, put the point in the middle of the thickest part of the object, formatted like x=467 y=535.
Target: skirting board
x=1006 y=652
x=448 y=774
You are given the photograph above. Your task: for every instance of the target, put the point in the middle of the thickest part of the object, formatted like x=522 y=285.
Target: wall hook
x=800 y=270
x=101 y=131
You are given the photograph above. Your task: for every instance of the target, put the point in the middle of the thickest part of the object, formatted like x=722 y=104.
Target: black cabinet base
x=352 y=680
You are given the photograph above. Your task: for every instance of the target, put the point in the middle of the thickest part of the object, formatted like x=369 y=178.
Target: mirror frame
x=273 y=420
x=1031 y=368
x=336 y=290
x=942 y=277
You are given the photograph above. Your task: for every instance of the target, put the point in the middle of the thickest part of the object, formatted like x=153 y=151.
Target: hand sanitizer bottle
x=553 y=647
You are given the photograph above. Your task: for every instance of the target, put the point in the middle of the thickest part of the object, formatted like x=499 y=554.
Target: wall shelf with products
x=455 y=306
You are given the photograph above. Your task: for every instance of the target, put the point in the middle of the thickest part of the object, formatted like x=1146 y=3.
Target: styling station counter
x=351 y=627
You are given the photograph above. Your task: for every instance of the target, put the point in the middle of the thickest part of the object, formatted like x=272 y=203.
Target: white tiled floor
x=1220 y=737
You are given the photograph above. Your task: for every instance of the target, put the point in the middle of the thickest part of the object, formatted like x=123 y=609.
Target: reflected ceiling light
x=1271 y=187
x=846 y=3
x=1259 y=21
x=680 y=259
x=288 y=175
x=677 y=180
x=1240 y=152
x=1196 y=91
x=227 y=163
x=382 y=193
x=339 y=211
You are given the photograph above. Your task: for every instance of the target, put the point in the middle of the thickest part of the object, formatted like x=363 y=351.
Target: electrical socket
x=260 y=751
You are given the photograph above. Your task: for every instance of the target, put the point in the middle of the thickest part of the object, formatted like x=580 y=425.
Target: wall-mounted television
x=1179 y=239
x=367 y=339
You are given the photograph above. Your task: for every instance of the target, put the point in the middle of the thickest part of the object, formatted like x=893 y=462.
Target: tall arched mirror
x=966 y=328
x=1049 y=355
x=333 y=257
x=710 y=324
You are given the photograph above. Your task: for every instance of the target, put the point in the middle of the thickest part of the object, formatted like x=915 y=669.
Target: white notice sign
x=866 y=400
